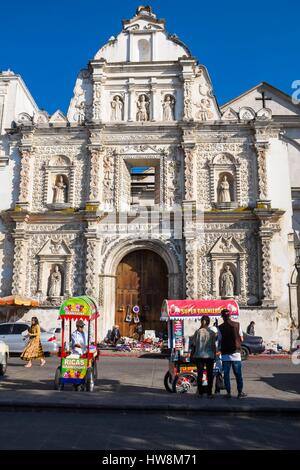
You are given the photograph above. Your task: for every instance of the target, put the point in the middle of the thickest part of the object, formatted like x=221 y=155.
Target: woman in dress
x=33 y=349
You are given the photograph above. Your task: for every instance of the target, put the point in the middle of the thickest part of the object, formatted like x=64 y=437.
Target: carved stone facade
x=170 y=123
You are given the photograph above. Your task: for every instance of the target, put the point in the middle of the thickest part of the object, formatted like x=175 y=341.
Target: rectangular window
x=144 y=186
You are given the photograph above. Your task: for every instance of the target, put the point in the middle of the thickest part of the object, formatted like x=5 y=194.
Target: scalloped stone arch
x=109 y=269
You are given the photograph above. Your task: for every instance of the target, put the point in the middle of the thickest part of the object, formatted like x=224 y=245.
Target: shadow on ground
x=285 y=382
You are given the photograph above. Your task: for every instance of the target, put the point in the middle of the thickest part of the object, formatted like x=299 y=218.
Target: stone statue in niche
x=116 y=109
x=143 y=109
x=168 y=108
x=55 y=283
x=227 y=283
x=224 y=192
x=59 y=190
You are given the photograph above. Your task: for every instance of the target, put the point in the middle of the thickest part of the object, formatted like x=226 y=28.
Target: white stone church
x=149 y=189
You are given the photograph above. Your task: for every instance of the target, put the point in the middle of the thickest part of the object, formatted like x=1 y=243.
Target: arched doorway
x=142 y=279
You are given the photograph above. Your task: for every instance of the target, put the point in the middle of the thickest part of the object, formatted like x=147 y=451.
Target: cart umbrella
x=180 y=309
x=76 y=308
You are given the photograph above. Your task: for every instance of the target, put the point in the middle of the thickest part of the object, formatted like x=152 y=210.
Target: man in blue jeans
x=230 y=337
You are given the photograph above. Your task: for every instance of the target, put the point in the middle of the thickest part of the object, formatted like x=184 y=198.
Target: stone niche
x=59 y=183
x=228 y=264
x=224 y=172
x=54 y=266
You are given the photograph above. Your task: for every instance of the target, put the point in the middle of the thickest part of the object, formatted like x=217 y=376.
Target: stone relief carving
x=96 y=157
x=234 y=159
x=64 y=249
x=262 y=171
x=108 y=181
x=48 y=164
x=189 y=164
x=220 y=245
x=173 y=195
x=204 y=112
x=247 y=114
x=20 y=265
x=97 y=101
x=187 y=100
x=230 y=115
x=92 y=250
x=25 y=175
x=80 y=108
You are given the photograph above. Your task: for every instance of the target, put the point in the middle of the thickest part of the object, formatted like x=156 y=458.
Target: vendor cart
x=183 y=318
x=80 y=370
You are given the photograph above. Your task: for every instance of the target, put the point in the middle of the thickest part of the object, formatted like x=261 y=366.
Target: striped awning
x=17 y=300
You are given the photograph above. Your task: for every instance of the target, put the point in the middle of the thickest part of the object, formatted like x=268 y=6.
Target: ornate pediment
x=25 y=119
x=58 y=118
x=226 y=245
x=247 y=114
x=54 y=248
x=230 y=115
x=223 y=158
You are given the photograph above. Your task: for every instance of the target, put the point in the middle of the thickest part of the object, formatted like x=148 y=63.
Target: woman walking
x=204 y=343
x=33 y=349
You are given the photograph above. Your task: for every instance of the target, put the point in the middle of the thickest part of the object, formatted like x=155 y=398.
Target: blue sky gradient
x=240 y=43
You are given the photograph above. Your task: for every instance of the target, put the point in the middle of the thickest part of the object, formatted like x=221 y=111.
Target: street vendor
x=79 y=340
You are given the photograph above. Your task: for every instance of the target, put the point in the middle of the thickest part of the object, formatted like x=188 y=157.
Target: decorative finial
x=144 y=10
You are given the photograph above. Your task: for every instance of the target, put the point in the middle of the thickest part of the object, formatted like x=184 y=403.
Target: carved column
x=68 y=269
x=154 y=103
x=265 y=237
x=20 y=265
x=109 y=184
x=96 y=157
x=131 y=103
x=261 y=149
x=97 y=98
x=190 y=268
x=214 y=287
x=25 y=178
x=72 y=186
x=92 y=251
x=242 y=286
x=189 y=173
x=187 y=100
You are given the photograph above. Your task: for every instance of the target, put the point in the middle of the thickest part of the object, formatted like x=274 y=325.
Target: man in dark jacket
x=230 y=337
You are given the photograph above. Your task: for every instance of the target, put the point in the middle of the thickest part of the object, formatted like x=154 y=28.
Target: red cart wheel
x=168 y=382
x=184 y=382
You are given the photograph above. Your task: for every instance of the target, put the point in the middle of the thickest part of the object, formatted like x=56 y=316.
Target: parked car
x=14 y=334
x=56 y=332
x=252 y=345
x=4 y=355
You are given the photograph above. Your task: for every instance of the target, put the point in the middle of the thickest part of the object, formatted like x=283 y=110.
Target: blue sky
x=241 y=43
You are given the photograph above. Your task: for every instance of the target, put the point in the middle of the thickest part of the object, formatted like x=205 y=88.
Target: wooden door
x=142 y=279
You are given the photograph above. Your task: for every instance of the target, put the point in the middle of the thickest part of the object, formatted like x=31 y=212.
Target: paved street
x=168 y=431
x=131 y=410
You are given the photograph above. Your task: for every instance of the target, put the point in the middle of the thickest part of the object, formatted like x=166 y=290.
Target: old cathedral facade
x=147 y=189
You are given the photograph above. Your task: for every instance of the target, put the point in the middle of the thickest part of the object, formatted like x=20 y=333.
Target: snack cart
x=80 y=370
x=183 y=319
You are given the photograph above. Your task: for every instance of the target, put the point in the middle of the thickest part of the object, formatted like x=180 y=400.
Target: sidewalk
x=135 y=384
